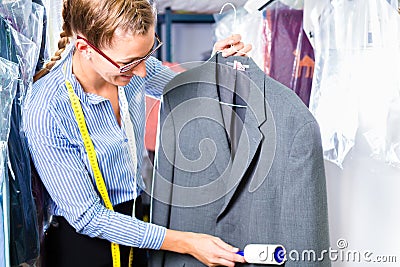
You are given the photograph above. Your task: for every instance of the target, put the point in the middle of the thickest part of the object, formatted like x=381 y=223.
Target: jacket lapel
x=256 y=126
x=209 y=104
x=203 y=103
x=254 y=130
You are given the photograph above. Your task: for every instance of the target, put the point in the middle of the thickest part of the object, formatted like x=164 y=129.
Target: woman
x=105 y=67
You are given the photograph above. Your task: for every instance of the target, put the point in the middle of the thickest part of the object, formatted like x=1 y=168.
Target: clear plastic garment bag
x=355 y=99
x=280 y=47
x=8 y=77
x=356 y=78
x=23 y=24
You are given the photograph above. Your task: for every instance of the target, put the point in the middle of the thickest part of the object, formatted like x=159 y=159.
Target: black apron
x=64 y=247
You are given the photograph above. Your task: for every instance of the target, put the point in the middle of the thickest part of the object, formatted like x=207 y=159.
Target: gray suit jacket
x=272 y=192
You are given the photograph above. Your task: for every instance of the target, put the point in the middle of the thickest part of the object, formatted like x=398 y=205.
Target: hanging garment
x=23 y=221
x=8 y=76
x=43 y=53
x=354 y=94
x=24 y=242
x=5 y=54
x=284 y=52
x=26 y=22
x=289 y=56
x=54 y=23
x=354 y=90
x=271 y=192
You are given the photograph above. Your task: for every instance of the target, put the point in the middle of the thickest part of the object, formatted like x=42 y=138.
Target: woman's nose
x=140 y=70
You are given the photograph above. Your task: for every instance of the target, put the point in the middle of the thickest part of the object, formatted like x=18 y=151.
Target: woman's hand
x=210 y=250
x=232 y=46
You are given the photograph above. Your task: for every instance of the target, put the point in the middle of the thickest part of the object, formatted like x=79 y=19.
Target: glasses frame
x=129 y=66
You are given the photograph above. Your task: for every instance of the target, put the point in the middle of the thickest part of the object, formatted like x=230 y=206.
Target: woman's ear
x=83 y=48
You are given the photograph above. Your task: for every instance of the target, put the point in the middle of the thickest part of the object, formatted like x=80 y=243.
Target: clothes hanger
x=257 y=5
x=223 y=103
x=233 y=24
x=236 y=64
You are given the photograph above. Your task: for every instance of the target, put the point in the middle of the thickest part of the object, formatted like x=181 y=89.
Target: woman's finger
x=224 y=262
x=224 y=245
x=228 y=252
x=233 y=49
x=243 y=52
x=227 y=42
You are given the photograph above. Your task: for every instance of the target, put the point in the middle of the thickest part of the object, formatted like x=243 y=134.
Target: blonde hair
x=97 y=20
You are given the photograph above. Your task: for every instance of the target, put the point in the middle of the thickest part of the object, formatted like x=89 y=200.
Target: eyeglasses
x=157 y=44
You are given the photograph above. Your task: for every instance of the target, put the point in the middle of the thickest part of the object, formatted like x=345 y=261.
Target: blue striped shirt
x=59 y=156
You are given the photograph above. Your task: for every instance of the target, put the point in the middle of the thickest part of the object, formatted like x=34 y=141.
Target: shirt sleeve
x=60 y=167
x=157 y=77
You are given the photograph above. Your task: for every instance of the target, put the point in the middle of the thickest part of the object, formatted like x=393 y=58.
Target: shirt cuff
x=153 y=237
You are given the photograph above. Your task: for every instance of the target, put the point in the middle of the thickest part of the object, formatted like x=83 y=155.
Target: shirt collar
x=84 y=97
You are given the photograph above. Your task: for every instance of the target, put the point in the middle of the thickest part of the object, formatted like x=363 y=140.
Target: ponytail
x=62 y=43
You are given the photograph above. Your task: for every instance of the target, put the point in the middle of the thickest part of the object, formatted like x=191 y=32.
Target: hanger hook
x=234 y=10
x=234 y=21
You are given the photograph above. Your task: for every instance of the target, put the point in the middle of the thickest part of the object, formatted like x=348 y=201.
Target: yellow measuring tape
x=101 y=186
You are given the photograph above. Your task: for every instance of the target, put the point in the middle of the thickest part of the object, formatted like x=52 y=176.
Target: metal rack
x=170 y=17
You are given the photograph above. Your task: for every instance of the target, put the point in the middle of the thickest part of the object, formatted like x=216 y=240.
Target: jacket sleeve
x=304 y=202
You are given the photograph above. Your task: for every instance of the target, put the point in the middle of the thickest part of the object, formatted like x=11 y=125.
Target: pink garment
x=289 y=56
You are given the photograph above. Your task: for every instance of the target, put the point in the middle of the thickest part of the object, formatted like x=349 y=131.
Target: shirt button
x=126 y=140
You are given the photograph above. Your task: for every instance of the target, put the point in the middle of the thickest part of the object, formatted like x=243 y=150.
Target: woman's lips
x=127 y=77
